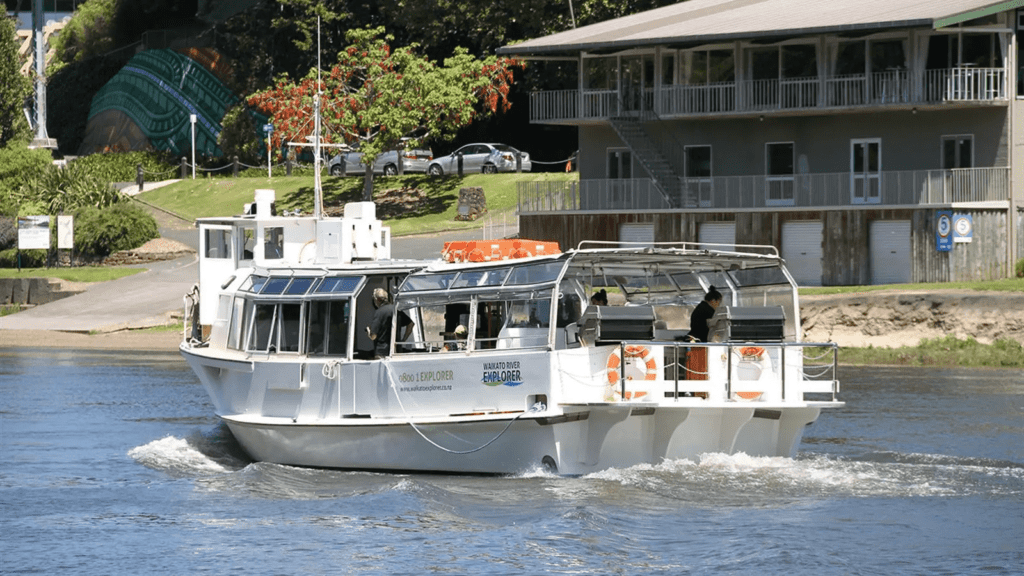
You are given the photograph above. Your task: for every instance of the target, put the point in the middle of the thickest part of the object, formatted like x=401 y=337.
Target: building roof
x=707 y=21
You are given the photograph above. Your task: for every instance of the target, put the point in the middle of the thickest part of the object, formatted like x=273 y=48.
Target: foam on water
x=818 y=474
x=176 y=456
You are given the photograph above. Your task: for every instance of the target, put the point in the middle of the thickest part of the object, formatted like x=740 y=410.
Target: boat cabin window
x=277 y=316
x=246 y=242
x=273 y=243
x=218 y=243
x=327 y=328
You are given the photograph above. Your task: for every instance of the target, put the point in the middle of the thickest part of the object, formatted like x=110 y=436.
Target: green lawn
x=81 y=274
x=203 y=197
x=948 y=351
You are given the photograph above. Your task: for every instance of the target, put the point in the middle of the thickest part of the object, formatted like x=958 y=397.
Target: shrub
x=67 y=188
x=1019 y=268
x=18 y=163
x=29 y=258
x=123 y=226
x=121 y=166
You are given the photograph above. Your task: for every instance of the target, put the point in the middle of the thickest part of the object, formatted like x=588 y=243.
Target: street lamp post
x=192 y=119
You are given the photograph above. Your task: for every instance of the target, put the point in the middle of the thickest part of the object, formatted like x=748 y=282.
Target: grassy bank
x=947 y=351
x=81 y=274
x=433 y=210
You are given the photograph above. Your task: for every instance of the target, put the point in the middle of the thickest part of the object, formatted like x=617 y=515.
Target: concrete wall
x=32 y=291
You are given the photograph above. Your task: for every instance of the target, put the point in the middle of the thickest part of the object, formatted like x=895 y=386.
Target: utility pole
x=41 y=140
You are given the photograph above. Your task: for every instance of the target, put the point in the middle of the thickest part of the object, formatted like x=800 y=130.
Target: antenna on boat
x=318 y=193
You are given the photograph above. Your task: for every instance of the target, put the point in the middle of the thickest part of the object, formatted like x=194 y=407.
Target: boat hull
x=585 y=440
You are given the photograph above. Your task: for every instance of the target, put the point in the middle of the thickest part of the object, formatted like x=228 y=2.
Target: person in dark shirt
x=379 y=329
x=702 y=313
x=599 y=298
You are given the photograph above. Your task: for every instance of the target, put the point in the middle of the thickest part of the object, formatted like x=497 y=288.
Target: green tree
x=238 y=136
x=14 y=87
x=374 y=96
x=86 y=34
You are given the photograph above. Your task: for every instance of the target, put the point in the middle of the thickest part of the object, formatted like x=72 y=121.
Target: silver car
x=415 y=160
x=486 y=158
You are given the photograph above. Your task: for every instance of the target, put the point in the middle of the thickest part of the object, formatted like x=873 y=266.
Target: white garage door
x=642 y=233
x=717 y=233
x=890 y=252
x=801 y=248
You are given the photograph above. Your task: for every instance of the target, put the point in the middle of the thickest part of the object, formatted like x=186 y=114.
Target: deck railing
x=907 y=187
x=891 y=87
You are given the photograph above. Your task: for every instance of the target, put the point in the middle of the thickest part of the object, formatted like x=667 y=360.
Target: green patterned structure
x=158 y=90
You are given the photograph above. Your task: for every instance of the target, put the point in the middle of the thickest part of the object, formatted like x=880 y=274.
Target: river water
x=112 y=463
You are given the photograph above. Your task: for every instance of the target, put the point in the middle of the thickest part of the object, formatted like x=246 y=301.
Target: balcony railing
x=965 y=84
x=902 y=188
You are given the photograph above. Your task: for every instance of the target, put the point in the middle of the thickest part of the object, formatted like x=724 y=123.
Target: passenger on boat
x=702 y=313
x=379 y=329
x=599 y=298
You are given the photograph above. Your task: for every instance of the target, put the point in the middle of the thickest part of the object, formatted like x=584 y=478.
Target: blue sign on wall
x=944 y=231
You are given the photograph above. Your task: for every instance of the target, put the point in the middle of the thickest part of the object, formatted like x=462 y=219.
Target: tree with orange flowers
x=376 y=96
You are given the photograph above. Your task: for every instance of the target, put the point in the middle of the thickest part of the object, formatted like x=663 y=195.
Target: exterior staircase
x=630 y=129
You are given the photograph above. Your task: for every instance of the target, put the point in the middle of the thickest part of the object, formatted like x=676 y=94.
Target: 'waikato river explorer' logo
x=498 y=373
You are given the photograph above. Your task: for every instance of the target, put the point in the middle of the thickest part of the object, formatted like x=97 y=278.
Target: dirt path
x=896 y=318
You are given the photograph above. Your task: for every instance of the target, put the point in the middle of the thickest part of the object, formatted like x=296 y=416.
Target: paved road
x=149 y=298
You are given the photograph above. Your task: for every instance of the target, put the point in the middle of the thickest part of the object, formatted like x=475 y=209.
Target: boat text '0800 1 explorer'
x=494 y=359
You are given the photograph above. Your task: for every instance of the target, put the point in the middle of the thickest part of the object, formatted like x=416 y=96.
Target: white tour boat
x=507 y=367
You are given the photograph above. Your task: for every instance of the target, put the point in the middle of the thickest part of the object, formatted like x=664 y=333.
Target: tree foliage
x=86 y=34
x=238 y=136
x=14 y=87
x=374 y=96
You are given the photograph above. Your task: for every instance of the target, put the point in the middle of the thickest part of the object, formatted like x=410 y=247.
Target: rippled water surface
x=114 y=464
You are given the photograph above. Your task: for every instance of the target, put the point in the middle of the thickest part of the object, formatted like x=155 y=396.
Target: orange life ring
x=641 y=352
x=753 y=352
x=475 y=255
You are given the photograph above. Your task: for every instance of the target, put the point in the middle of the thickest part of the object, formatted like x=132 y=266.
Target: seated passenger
x=599 y=298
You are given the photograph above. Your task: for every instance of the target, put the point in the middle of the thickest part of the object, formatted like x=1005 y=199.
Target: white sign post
x=192 y=120
x=66 y=236
x=33 y=234
x=268 y=129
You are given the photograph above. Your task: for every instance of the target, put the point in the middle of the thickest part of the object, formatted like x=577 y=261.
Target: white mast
x=318 y=193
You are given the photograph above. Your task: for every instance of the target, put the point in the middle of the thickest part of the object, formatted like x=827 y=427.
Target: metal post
x=459 y=158
x=192 y=120
x=728 y=368
x=519 y=162
x=675 y=353
x=234 y=166
x=184 y=168
x=782 y=353
x=139 y=178
x=622 y=368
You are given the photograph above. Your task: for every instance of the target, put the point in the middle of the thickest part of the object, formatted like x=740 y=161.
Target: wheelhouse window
x=779 y=161
x=217 y=243
x=273 y=243
x=247 y=242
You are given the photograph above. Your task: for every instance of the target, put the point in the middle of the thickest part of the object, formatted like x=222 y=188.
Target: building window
x=866 y=170
x=698 y=174
x=620 y=165
x=957 y=152
x=779 y=162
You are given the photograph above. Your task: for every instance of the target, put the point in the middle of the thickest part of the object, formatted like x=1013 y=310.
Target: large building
x=870 y=141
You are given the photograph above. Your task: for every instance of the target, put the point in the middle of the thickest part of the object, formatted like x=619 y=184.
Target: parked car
x=486 y=158
x=415 y=160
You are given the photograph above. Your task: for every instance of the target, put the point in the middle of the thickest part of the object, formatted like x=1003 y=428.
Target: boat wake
x=200 y=454
x=721 y=478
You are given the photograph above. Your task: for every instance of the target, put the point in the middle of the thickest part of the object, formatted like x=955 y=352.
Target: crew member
x=379 y=329
x=702 y=313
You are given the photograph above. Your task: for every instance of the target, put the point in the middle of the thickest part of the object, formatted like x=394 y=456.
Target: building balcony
x=810 y=191
x=890 y=88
